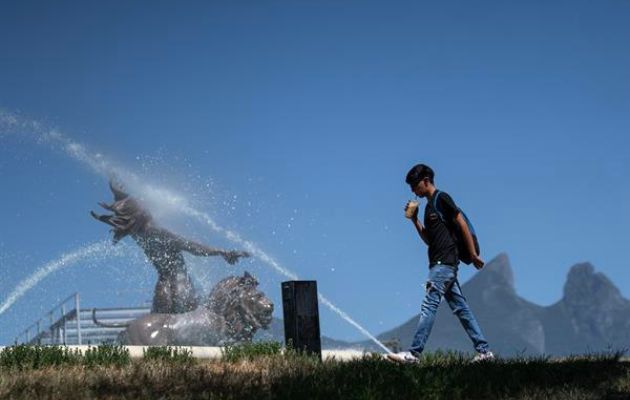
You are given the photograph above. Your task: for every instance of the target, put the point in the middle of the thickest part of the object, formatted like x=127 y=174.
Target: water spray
x=99 y=164
x=66 y=260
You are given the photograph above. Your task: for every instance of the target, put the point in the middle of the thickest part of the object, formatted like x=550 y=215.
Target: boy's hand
x=478 y=262
x=414 y=216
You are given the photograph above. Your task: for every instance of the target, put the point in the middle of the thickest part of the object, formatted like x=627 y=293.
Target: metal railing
x=51 y=330
x=67 y=325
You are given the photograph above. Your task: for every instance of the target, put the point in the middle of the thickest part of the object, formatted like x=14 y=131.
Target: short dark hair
x=418 y=173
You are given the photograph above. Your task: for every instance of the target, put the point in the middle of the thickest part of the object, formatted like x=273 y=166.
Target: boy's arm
x=421 y=230
x=419 y=227
x=470 y=243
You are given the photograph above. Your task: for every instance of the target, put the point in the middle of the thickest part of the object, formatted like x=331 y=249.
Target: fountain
x=234 y=310
x=98 y=163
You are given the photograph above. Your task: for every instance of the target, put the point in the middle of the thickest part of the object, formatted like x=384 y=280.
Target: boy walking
x=441 y=218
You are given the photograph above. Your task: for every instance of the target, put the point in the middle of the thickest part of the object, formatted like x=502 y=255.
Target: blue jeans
x=443 y=283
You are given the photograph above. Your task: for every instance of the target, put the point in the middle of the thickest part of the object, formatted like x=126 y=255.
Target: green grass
x=250 y=351
x=168 y=354
x=37 y=357
x=263 y=371
x=106 y=355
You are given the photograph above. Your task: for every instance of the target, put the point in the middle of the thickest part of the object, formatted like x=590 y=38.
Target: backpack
x=462 y=249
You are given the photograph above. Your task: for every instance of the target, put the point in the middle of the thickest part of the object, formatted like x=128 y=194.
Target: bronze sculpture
x=234 y=310
x=174 y=291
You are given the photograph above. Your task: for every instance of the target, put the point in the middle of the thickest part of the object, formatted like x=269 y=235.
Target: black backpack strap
x=435 y=204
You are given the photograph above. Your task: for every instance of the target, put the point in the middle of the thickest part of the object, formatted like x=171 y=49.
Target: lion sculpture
x=234 y=310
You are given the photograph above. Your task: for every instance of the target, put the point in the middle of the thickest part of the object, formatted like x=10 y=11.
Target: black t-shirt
x=442 y=244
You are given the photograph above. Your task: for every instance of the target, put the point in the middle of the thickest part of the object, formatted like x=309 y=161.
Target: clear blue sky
x=294 y=123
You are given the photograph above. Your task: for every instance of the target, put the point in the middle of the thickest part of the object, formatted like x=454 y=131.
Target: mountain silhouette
x=592 y=316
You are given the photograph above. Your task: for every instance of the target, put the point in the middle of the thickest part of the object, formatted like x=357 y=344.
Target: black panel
x=301 y=316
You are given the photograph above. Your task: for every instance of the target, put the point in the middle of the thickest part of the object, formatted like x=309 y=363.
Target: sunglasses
x=415 y=184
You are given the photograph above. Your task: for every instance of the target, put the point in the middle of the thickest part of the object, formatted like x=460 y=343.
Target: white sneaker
x=403 y=357
x=487 y=356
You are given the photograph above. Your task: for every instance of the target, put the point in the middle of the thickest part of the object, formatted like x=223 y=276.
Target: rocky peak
x=585 y=285
x=593 y=304
x=497 y=272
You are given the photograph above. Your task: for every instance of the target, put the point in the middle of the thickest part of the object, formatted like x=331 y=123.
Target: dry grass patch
x=292 y=376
